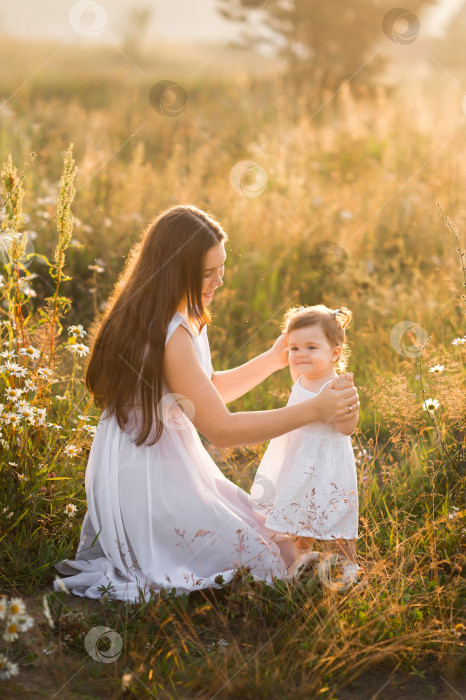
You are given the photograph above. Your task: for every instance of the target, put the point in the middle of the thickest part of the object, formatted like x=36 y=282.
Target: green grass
x=402 y=264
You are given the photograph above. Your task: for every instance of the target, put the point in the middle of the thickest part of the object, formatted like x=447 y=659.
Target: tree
x=325 y=42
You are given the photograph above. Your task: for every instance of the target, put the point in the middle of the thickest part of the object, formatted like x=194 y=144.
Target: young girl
x=306 y=482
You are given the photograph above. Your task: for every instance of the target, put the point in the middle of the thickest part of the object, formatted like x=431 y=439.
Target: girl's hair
x=333 y=326
x=163 y=268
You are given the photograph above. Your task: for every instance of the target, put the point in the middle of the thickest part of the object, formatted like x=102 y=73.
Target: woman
x=160 y=512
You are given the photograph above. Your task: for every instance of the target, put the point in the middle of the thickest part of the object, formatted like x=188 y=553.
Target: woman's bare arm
x=184 y=375
x=233 y=383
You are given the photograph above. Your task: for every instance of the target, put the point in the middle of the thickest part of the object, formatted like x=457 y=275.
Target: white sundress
x=165 y=515
x=306 y=482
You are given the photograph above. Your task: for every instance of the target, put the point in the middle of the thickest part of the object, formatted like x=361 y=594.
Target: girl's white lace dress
x=306 y=482
x=164 y=516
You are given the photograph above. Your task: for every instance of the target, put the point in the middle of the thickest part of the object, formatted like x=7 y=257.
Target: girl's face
x=310 y=352
x=214 y=267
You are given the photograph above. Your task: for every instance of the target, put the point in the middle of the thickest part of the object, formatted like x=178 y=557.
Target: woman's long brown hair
x=163 y=269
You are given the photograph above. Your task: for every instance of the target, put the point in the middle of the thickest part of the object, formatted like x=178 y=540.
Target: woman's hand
x=335 y=403
x=279 y=352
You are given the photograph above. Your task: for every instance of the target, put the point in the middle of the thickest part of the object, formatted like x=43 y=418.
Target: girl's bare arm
x=184 y=375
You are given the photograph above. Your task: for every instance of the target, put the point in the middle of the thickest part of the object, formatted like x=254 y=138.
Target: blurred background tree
x=322 y=43
x=134 y=29
x=450 y=50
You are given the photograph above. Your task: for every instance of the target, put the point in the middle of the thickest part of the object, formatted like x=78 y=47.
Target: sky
x=171 y=19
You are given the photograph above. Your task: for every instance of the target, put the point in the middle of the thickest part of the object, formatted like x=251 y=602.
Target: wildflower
x=7 y=668
x=44 y=372
x=25 y=622
x=14 y=369
x=97 y=268
x=453 y=513
x=430 y=405
x=70 y=510
x=31 y=352
x=84 y=418
x=40 y=416
x=12 y=630
x=459 y=629
x=29 y=384
x=77 y=331
x=13 y=394
x=459 y=341
x=16 y=607
x=29 y=291
x=79 y=348
x=22 y=477
x=60 y=398
x=3 y=599
x=12 y=419
x=46 y=608
x=90 y=429
x=72 y=450
x=2 y=281
x=55 y=425
x=25 y=409
x=8 y=354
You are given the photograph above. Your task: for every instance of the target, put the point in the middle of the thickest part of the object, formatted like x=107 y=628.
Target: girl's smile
x=310 y=351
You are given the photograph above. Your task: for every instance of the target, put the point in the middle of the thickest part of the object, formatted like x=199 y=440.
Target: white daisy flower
x=16 y=607
x=12 y=630
x=29 y=384
x=40 y=416
x=430 y=405
x=13 y=394
x=459 y=341
x=3 y=599
x=60 y=398
x=31 y=352
x=44 y=372
x=46 y=609
x=90 y=429
x=14 y=369
x=437 y=369
x=7 y=668
x=77 y=331
x=8 y=354
x=55 y=425
x=2 y=281
x=79 y=348
x=29 y=291
x=25 y=622
x=72 y=450
x=12 y=418
x=22 y=477
x=84 y=418
x=70 y=510
x=26 y=411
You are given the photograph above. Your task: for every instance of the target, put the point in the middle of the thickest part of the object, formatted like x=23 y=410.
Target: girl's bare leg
x=288 y=550
x=304 y=544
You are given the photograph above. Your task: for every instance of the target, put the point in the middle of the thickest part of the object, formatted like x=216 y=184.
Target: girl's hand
x=334 y=403
x=279 y=352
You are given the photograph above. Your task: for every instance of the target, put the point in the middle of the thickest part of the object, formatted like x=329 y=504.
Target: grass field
x=349 y=215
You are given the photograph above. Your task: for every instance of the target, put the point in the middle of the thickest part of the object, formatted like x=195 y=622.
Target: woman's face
x=310 y=352
x=214 y=267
